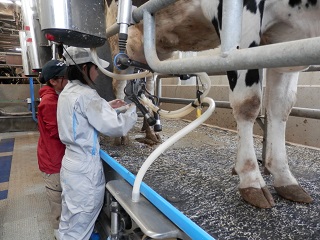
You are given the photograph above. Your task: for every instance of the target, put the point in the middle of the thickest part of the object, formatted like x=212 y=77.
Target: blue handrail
x=178 y=218
x=33 y=109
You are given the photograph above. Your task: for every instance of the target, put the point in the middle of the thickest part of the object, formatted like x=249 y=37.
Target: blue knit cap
x=53 y=68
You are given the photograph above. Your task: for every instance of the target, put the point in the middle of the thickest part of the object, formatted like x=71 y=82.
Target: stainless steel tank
x=35 y=48
x=79 y=23
x=25 y=57
x=28 y=41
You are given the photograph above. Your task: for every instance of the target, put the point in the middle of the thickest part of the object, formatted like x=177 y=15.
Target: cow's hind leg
x=280 y=96
x=151 y=137
x=245 y=99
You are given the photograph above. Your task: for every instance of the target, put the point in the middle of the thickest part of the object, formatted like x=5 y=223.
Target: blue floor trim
x=3 y=194
x=5 y=168
x=6 y=145
x=177 y=217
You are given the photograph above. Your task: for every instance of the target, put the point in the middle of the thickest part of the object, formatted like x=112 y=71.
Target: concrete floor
x=24 y=214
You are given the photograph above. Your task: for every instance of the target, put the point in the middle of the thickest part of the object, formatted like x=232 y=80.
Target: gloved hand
x=117 y=103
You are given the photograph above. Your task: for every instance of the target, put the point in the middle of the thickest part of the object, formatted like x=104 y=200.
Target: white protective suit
x=81 y=114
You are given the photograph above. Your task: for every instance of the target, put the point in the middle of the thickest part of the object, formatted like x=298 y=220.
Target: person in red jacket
x=50 y=149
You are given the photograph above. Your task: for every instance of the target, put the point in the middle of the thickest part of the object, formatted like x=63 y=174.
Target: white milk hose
x=118 y=76
x=162 y=147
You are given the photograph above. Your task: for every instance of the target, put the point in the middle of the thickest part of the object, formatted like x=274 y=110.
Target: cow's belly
x=181 y=26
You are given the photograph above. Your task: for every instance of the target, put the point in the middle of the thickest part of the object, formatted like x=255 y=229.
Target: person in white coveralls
x=82 y=114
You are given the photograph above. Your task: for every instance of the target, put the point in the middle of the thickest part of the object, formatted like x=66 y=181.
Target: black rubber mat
x=195 y=176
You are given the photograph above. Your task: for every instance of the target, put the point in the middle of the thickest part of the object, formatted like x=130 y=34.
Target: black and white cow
x=194 y=25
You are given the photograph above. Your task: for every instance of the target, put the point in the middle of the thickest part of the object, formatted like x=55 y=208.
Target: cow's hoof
x=294 y=193
x=124 y=140
x=117 y=141
x=151 y=138
x=257 y=197
x=147 y=141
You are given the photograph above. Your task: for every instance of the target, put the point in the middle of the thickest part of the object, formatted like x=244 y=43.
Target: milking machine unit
x=134 y=90
x=122 y=62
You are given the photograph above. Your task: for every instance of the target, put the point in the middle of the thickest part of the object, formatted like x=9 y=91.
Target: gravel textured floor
x=195 y=176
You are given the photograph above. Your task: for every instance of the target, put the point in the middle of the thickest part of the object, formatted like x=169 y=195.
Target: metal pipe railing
x=231 y=25
x=295 y=53
x=295 y=112
x=219 y=104
x=152 y=7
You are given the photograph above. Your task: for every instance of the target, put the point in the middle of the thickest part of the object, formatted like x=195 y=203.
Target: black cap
x=53 y=68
